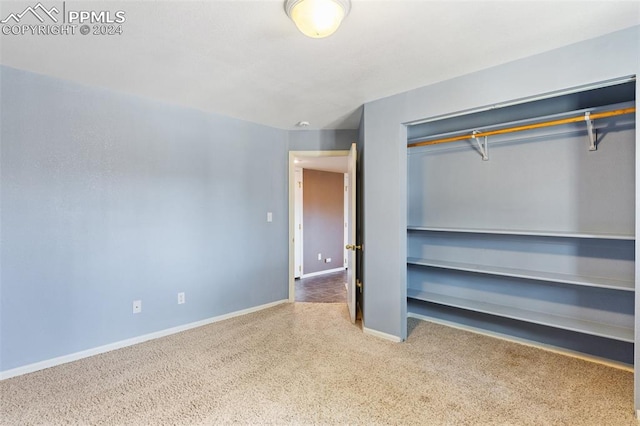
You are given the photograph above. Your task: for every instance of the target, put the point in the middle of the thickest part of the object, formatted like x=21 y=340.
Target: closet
x=521 y=219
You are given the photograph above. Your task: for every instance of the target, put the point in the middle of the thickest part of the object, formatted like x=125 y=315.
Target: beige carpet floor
x=306 y=364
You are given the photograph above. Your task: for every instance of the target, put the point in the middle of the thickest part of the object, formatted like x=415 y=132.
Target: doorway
x=325 y=276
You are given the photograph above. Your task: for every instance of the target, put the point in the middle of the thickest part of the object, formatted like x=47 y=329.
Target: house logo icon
x=39 y=11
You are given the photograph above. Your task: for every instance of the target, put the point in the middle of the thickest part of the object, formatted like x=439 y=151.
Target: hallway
x=327 y=288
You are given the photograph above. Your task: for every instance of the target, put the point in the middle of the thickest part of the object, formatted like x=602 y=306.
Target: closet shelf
x=556 y=234
x=625 y=334
x=581 y=280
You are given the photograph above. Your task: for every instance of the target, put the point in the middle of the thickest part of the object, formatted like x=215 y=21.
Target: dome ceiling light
x=317 y=18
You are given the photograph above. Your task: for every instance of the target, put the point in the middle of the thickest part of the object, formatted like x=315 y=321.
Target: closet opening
x=529 y=234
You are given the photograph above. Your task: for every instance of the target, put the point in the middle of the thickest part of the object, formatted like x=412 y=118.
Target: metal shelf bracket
x=591 y=131
x=483 y=146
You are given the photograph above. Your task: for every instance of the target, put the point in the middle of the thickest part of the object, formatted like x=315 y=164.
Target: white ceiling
x=246 y=59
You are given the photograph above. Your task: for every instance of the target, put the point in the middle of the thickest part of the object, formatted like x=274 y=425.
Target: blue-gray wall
x=385 y=153
x=107 y=198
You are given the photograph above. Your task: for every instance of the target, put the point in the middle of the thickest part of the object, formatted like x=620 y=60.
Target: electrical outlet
x=137 y=306
x=269 y=217
x=319 y=256
x=181 y=298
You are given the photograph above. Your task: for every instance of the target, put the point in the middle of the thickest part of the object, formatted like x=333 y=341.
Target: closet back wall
x=534 y=183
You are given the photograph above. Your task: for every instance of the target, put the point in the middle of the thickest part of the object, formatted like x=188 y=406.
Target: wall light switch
x=327 y=260
x=319 y=256
x=269 y=217
x=137 y=306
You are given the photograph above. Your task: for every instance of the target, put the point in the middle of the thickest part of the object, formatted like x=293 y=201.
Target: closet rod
x=527 y=127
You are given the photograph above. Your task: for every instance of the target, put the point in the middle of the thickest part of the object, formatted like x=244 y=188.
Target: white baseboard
x=41 y=365
x=526 y=342
x=328 y=271
x=381 y=335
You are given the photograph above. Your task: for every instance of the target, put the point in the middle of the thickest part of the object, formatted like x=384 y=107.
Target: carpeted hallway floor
x=304 y=363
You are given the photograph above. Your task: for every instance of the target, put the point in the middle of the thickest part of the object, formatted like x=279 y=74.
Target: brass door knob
x=353 y=247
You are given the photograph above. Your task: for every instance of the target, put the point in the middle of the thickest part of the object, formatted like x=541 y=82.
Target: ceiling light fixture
x=317 y=18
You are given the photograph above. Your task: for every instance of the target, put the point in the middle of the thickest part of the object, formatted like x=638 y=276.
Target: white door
x=347 y=237
x=298 y=224
x=351 y=258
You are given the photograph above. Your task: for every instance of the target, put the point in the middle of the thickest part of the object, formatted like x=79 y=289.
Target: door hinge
x=299 y=226
x=299 y=184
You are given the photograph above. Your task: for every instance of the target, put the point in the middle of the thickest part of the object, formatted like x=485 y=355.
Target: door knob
x=353 y=247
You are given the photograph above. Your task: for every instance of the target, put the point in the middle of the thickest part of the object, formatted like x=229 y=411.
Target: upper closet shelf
x=555 y=234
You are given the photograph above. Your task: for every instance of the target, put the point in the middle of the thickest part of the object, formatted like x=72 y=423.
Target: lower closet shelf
x=625 y=334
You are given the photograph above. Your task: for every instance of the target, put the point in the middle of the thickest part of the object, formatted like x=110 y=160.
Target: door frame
x=292 y=202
